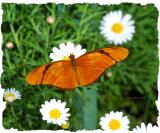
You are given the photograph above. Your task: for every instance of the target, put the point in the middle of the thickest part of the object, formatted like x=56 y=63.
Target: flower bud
x=109 y=74
x=65 y=125
x=9 y=45
x=50 y=20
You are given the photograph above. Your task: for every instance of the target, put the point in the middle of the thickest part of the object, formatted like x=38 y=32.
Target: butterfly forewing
x=90 y=66
x=59 y=74
x=36 y=75
x=116 y=53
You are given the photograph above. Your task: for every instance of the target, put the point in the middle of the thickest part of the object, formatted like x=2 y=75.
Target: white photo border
x=101 y=2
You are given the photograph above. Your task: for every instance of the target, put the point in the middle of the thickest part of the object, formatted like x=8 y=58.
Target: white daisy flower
x=117 y=28
x=145 y=129
x=55 y=112
x=114 y=121
x=65 y=51
x=11 y=95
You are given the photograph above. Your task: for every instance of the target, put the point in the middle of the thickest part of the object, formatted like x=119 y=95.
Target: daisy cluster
x=55 y=111
x=115 y=121
x=117 y=29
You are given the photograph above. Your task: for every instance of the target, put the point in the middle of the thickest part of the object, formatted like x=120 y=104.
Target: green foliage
x=132 y=88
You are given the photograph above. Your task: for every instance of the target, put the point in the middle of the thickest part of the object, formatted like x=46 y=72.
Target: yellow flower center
x=117 y=28
x=66 y=57
x=65 y=125
x=55 y=114
x=114 y=124
x=10 y=97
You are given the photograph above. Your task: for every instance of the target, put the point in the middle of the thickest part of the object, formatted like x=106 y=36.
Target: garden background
x=130 y=86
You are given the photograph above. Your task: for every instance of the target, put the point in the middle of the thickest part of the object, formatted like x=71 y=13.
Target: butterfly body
x=75 y=72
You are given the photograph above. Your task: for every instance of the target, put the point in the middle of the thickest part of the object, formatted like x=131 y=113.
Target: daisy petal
x=65 y=51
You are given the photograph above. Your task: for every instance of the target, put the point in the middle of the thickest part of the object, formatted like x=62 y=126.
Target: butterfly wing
x=91 y=65
x=66 y=76
x=59 y=74
x=116 y=53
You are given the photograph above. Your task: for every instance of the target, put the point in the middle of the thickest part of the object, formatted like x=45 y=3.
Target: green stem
x=92 y=16
x=8 y=62
x=90 y=109
x=13 y=112
x=85 y=102
x=15 y=35
x=81 y=22
x=35 y=27
x=147 y=111
x=47 y=43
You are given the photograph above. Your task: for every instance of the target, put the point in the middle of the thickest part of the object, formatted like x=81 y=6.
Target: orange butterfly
x=84 y=70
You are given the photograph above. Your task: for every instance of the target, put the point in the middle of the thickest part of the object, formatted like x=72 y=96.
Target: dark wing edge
x=116 y=53
x=40 y=72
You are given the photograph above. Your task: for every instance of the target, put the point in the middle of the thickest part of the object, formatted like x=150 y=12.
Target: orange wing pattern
x=86 y=69
x=59 y=74
x=117 y=53
x=91 y=65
